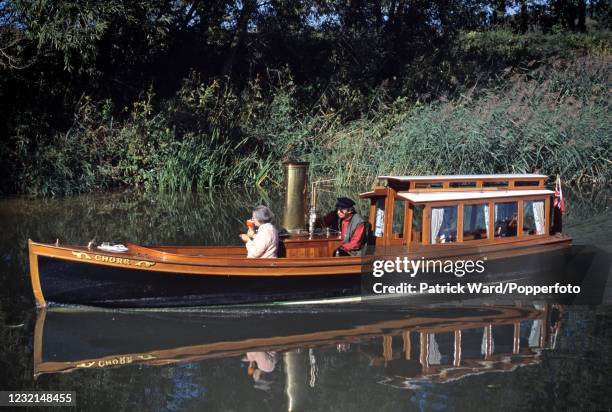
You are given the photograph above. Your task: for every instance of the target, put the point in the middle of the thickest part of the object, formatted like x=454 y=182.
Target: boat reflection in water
x=406 y=347
x=470 y=350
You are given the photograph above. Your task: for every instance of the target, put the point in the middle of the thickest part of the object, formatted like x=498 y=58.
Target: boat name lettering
x=112 y=259
x=121 y=360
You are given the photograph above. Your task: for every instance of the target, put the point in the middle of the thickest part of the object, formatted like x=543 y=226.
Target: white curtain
x=496 y=213
x=433 y=356
x=538 y=216
x=483 y=345
x=534 y=334
x=486 y=217
x=437 y=216
x=380 y=222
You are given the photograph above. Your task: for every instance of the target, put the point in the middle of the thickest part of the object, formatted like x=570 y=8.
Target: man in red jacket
x=352 y=228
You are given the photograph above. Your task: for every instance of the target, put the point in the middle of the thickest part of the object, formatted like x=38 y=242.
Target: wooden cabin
x=417 y=211
x=426 y=210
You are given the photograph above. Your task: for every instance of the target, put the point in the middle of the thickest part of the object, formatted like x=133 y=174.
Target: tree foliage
x=59 y=58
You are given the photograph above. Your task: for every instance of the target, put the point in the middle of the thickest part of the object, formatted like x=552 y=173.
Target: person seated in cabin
x=352 y=229
x=512 y=226
x=509 y=228
x=447 y=235
x=264 y=242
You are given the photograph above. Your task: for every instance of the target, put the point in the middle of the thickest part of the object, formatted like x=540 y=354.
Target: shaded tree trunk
x=499 y=12
x=239 y=36
x=523 y=17
x=581 y=16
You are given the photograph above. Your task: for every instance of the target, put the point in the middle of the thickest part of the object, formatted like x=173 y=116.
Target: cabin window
x=495 y=184
x=417 y=224
x=475 y=222
x=379 y=223
x=506 y=219
x=398 y=218
x=523 y=183
x=399 y=186
x=533 y=217
x=435 y=185
x=443 y=224
x=461 y=184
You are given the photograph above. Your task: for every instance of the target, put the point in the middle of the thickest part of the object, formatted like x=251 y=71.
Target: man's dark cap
x=344 y=203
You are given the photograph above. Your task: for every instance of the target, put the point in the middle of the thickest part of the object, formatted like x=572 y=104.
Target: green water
x=347 y=374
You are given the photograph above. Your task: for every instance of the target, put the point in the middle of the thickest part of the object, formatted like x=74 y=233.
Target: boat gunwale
x=244 y=263
x=237 y=262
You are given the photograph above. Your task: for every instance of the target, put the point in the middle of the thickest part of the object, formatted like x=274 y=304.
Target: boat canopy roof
x=464 y=177
x=468 y=195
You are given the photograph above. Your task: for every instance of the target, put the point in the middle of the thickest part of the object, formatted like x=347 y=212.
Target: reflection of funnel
x=296 y=183
x=296 y=373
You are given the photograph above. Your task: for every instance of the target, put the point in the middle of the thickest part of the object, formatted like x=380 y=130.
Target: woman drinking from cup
x=264 y=242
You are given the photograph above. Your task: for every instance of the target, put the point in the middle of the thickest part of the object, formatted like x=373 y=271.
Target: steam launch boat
x=499 y=217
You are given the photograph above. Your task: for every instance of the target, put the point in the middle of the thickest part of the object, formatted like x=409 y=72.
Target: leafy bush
x=551 y=116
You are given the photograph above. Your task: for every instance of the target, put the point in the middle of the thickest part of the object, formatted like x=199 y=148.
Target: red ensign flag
x=559 y=202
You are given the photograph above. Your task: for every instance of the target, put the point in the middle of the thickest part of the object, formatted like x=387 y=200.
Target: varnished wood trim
x=457 y=351
x=389 y=208
x=349 y=265
x=35 y=276
x=516 y=346
x=372 y=216
x=410 y=208
x=377 y=191
x=424 y=350
x=426 y=224
x=407 y=345
x=547 y=220
x=491 y=236
x=460 y=223
x=387 y=344
x=38 y=338
x=519 y=218
x=478 y=187
x=488 y=332
x=407 y=223
x=500 y=248
x=507 y=247
x=440 y=203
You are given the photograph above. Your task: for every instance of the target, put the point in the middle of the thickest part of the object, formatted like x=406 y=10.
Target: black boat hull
x=71 y=282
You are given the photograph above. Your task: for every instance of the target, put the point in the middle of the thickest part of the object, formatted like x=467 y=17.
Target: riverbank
x=513 y=104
